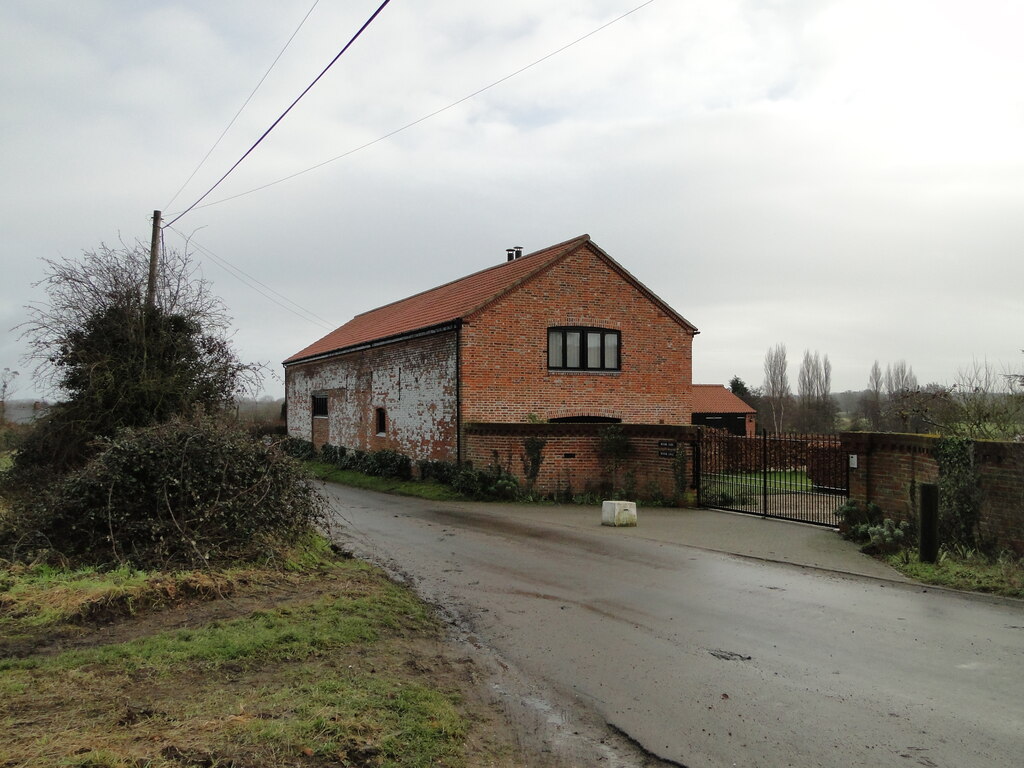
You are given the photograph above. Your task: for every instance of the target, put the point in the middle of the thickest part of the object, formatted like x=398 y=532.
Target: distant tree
x=7 y=388
x=777 y=393
x=981 y=404
x=738 y=387
x=899 y=377
x=898 y=410
x=816 y=410
x=1016 y=379
x=871 y=402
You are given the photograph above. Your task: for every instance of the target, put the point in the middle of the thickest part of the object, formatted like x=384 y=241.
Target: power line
x=246 y=279
x=425 y=117
x=244 y=105
x=283 y=114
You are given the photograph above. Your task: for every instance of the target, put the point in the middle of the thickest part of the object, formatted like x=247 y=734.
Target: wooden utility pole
x=154 y=256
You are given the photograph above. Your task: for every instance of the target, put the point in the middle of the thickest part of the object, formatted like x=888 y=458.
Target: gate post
x=764 y=472
x=928 y=551
x=698 y=447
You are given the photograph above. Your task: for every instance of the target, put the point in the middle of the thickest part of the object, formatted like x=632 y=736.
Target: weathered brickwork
x=493 y=368
x=571 y=458
x=321 y=431
x=505 y=376
x=1001 y=470
x=891 y=467
x=413 y=381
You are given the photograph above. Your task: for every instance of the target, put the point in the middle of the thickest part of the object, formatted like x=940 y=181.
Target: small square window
x=319 y=405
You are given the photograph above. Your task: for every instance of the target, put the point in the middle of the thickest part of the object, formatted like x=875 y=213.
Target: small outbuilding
x=716 y=406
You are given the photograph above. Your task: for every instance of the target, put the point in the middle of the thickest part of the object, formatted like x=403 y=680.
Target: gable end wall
x=505 y=377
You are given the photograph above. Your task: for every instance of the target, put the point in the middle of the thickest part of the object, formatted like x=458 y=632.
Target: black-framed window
x=382 y=421
x=319 y=405
x=584 y=349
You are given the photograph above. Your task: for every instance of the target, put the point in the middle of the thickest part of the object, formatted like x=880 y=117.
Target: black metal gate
x=794 y=477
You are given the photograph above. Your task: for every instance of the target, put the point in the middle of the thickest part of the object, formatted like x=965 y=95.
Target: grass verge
x=421 y=489
x=971 y=572
x=329 y=664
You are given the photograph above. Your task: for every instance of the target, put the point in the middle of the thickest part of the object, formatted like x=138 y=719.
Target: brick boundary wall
x=571 y=458
x=890 y=467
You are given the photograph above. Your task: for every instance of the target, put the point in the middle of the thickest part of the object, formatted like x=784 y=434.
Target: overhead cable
x=246 y=279
x=428 y=116
x=244 y=105
x=283 y=114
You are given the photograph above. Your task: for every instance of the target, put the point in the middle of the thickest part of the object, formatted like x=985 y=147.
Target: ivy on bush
x=439 y=471
x=959 y=492
x=384 y=463
x=487 y=484
x=492 y=483
x=298 y=448
x=188 y=492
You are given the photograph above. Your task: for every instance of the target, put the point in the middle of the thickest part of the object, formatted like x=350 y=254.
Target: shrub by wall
x=385 y=463
x=981 y=484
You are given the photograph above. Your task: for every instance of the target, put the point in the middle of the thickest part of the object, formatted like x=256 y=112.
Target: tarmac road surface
x=708 y=659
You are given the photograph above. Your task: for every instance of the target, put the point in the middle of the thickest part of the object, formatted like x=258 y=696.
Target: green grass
x=287 y=634
x=325 y=680
x=778 y=480
x=421 y=489
x=741 y=488
x=968 y=571
x=41 y=596
x=365 y=716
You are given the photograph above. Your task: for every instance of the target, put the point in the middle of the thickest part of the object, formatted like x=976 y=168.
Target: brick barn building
x=561 y=335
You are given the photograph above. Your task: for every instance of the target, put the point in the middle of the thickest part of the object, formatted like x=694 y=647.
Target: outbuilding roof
x=458 y=299
x=715 y=398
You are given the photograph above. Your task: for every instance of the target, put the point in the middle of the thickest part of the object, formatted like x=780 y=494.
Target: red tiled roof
x=715 y=398
x=455 y=300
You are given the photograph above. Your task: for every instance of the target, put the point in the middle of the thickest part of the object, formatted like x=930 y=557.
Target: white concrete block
x=619 y=513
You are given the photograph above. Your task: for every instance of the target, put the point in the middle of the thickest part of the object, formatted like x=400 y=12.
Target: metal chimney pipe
x=519 y=251
x=510 y=253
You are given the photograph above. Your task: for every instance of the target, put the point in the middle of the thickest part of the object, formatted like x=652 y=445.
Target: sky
x=839 y=176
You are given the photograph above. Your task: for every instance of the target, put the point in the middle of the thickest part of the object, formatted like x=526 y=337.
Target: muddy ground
x=434 y=660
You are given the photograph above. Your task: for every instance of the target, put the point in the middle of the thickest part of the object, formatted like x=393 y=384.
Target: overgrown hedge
x=378 y=463
x=188 y=492
x=490 y=483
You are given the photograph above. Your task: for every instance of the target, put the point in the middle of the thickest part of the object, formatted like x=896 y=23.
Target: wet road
x=712 y=660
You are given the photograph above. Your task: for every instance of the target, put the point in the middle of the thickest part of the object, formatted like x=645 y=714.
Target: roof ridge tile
x=438 y=305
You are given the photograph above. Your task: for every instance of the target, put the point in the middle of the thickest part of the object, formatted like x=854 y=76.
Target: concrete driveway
x=799 y=651
x=718 y=531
